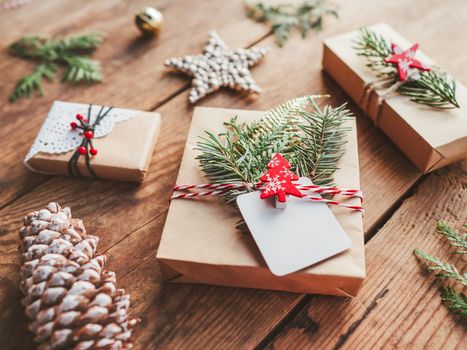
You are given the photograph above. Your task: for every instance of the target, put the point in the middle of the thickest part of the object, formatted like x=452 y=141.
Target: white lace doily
x=56 y=135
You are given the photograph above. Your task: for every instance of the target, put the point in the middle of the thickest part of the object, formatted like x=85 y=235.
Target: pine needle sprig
x=284 y=17
x=311 y=140
x=433 y=88
x=73 y=52
x=454 y=300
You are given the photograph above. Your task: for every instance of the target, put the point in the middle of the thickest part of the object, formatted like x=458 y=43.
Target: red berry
x=73 y=125
x=82 y=150
x=93 y=151
x=79 y=117
x=88 y=134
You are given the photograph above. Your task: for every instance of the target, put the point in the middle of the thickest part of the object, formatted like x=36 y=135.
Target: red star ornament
x=279 y=179
x=405 y=60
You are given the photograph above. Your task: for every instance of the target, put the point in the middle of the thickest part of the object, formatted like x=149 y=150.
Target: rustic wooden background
x=398 y=306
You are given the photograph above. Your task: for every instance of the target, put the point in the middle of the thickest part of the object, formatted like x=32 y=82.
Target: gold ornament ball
x=149 y=21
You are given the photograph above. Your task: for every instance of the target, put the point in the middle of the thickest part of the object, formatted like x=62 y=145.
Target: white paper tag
x=295 y=237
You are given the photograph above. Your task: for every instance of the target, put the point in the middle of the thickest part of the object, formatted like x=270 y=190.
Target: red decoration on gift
x=87 y=132
x=279 y=179
x=405 y=60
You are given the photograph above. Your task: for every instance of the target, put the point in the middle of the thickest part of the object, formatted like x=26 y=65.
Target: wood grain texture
x=129 y=218
x=399 y=305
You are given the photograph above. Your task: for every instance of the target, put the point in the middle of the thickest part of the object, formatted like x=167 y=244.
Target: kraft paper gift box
x=200 y=243
x=431 y=138
x=124 y=140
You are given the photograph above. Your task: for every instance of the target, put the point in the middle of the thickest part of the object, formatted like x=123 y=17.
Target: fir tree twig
x=73 y=52
x=33 y=81
x=284 y=17
x=433 y=88
x=311 y=140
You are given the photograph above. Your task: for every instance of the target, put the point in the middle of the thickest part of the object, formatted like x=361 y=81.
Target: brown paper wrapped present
x=431 y=138
x=200 y=243
x=124 y=140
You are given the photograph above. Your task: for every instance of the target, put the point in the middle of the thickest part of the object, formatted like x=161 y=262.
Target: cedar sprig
x=442 y=269
x=433 y=88
x=454 y=300
x=312 y=140
x=284 y=17
x=73 y=52
x=453 y=236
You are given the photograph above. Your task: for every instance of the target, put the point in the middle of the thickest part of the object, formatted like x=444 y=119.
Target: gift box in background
x=200 y=243
x=431 y=138
x=124 y=140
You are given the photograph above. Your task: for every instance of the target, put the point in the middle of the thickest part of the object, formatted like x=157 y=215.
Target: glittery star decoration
x=405 y=60
x=217 y=67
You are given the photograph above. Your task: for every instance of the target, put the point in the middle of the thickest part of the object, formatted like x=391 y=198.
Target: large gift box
x=119 y=148
x=200 y=242
x=431 y=138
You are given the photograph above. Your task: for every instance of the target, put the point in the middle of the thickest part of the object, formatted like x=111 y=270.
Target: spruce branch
x=433 y=88
x=73 y=52
x=284 y=17
x=311 y=140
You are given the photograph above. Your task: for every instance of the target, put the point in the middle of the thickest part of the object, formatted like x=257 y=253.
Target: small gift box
x=431 y=137
x=99 y=141
x=201 y=244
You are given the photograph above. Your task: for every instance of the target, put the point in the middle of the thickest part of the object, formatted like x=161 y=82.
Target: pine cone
x=73 y=303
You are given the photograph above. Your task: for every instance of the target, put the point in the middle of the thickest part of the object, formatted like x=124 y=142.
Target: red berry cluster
x=88 y=133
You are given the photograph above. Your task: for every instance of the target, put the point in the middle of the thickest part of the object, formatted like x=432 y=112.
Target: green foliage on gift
x=433 y=88
x=310 y=137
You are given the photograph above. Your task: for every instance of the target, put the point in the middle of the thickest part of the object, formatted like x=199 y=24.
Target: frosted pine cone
x=73 y=303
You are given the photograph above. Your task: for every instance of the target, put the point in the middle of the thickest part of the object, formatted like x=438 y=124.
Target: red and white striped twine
x=222 y=189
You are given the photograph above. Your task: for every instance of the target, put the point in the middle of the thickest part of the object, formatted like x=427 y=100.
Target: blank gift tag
x=295 y=237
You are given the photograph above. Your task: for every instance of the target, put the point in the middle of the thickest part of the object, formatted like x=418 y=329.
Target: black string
x=73 y=169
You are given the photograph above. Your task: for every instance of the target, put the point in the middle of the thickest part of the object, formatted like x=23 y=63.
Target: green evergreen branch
x=284 y=17
x=72 y=52
x=453 y=236
x=82 y=69
x=432 y=88
x=443 y=269
x=454 y=301
x=311 y=140
x=33 y=82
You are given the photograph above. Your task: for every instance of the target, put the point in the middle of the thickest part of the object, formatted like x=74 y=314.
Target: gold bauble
x=149 y=21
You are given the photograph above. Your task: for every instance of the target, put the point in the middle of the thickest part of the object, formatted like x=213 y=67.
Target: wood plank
x=135 y=76
x=399 y=305
x=163 y=306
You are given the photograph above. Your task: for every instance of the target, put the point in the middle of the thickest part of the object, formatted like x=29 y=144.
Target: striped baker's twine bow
x=222 y=189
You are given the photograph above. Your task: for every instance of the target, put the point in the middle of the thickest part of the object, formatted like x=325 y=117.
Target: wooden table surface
x=398 y=306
